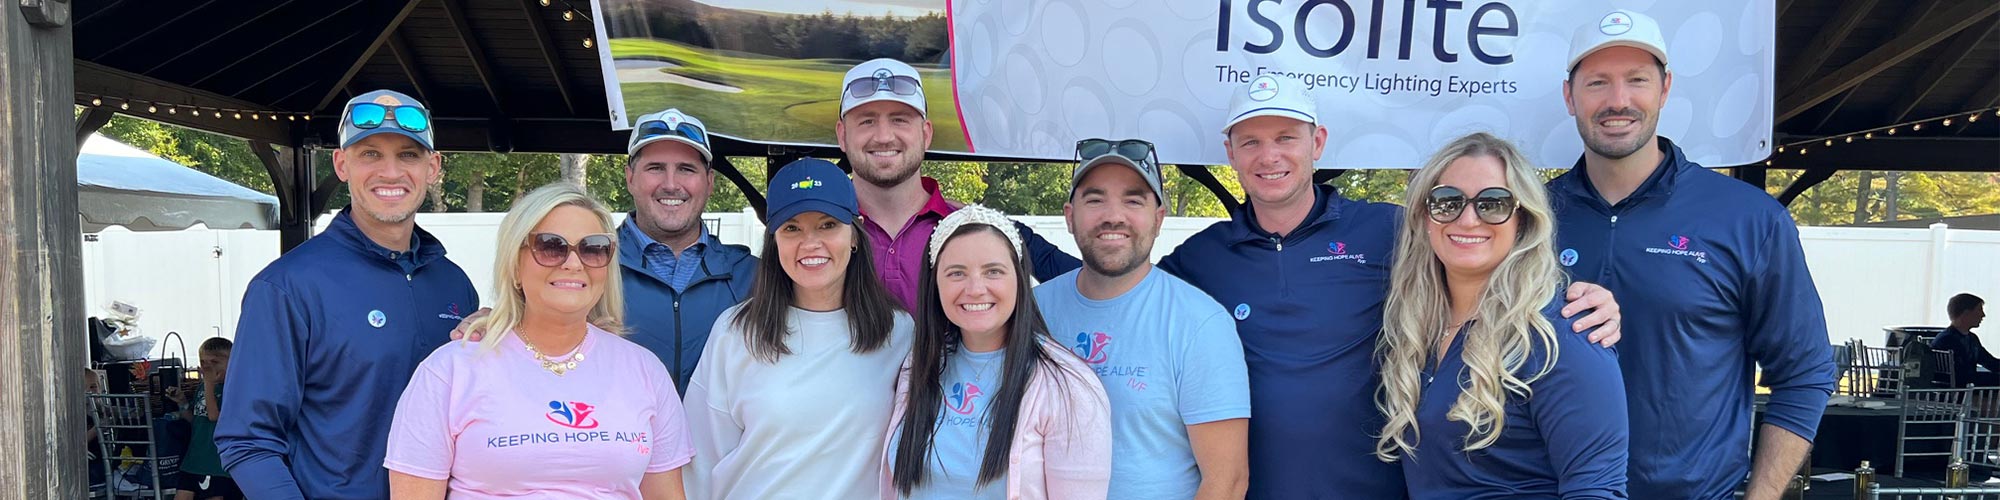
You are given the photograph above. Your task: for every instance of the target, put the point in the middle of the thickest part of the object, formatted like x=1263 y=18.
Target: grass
x=783 y=100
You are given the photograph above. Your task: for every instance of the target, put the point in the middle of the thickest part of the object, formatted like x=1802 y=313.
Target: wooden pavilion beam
x=538 y=27
x=1954 y=54
x=384 y=30
x=1807 y=63
x=1927 y=33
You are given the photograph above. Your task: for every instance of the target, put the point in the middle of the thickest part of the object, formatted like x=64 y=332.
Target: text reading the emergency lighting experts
x=1492 y=19
x=1379 y=83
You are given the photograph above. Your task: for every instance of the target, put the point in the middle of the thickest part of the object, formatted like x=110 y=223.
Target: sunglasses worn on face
x=369 y=115
x=1140 y=152
x=658 y=128
x=552 y=250
x=894 y=84
x=1495 y=205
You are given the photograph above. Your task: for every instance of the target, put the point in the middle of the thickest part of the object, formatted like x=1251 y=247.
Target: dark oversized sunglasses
x=659 y=128
x=551 y=250
x=894 y=84
x=1140 y=152
x=369 y=115
x=1495 y=205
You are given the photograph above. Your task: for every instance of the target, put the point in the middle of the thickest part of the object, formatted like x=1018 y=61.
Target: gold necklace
x=553 y=366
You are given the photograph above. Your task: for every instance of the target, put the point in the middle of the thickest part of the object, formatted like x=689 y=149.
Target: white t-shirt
x=808 y=426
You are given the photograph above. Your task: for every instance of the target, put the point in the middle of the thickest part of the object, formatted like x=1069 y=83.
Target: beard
x=894 y=176
x=1613 y=148
x=1115 y=263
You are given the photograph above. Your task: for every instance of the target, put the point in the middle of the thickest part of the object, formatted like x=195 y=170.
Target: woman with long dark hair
x=794 y=384
x=1486 y=390
x=989 y=406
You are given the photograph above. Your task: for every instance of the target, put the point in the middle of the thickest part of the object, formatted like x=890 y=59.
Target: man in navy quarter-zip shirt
x=678 y=278
x=1305 y=272
x=332 y=330
x=1714 y=271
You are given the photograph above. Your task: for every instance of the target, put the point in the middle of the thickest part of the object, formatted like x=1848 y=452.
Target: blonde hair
x=1507 y=322
x=509 y=304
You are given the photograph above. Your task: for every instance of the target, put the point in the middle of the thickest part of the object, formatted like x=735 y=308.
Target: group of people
x=887 y=342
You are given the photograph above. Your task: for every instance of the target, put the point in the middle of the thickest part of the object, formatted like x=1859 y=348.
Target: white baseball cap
x=1620 y=28
x=669 y=125
x=882 y=79
x=1269 y=95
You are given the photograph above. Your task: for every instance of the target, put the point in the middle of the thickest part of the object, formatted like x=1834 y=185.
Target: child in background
x=202 y=476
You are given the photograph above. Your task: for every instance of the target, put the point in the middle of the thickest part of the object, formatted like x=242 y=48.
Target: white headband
x=974 y=214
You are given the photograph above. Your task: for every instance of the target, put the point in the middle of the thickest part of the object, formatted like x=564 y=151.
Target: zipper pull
x=407 y=278
x=1614 y=220
x=1278 y=241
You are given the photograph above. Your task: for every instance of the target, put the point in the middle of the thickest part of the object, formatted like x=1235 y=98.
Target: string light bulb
x=1917 y=128
x=1829 y=142
x=1947 y=122
x=292 y=117
x=96 y=101
x=545 y=3
x=152 y=109
x=587 y=43
x=1802 y=151
x=1973 y=118
x=1892 y=130
x=1781 y=149
x=569 y=15
x=1850 y=139
x=173 y=110
x=124 y=106
x=1869 y=136
x=239 y=115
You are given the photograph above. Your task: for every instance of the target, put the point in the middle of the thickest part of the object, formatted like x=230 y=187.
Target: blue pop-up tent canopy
x=120 y=185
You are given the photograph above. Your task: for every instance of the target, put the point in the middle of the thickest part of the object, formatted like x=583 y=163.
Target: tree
x=1027 y=188
x=1187 y=198
x=573 y=166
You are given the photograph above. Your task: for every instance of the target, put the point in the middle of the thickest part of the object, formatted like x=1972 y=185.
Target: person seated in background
x=1966 y=311
x=205 y=480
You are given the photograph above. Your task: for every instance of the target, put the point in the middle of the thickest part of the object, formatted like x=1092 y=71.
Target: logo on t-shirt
x=377 y=319
x=1337 y=250
x=451 y=313
x=1092 y=347
x=1568 y=257
x=572 y=414
x=1681 y=246
x=1242 y=312
x=962 y=396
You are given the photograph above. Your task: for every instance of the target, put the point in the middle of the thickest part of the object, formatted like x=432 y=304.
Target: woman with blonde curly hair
x=1485 y=390
x=557 y=404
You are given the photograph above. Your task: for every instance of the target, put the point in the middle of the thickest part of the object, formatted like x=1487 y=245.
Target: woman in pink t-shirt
x=556 y=406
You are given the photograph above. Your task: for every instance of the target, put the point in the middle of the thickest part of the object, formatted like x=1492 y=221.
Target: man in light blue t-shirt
x=1167 y=353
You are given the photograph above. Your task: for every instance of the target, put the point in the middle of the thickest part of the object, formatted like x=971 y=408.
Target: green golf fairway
x=780 y=100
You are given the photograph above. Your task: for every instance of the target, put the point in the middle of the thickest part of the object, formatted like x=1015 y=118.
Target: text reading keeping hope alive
x=533 y=438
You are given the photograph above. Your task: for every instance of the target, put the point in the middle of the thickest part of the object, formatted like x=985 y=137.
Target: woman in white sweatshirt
x=796 y=382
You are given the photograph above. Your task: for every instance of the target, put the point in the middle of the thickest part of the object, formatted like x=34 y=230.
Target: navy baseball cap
x=385 y=112
x=810 y=185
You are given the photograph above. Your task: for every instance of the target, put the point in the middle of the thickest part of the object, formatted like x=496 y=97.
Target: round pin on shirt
x=377 y=319
x=1242 y=311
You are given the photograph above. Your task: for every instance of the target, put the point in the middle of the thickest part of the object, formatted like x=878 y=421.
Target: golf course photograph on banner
x=768 y=70
x=1393 y=80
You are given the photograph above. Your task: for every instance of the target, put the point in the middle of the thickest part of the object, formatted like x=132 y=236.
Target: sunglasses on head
x=1494 y=205
x=552 y=250
x=369 y=115
x=1140 y=152
x=659 y=128
x=894 y=84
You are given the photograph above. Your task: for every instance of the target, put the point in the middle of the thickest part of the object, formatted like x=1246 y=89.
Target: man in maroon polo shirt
x=884 y=131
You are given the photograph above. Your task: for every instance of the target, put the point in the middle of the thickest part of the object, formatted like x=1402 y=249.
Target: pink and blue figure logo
x=572 y=414
x=962 y=397
x=1337 y=248
x=1092 y=347
x=1678 y=242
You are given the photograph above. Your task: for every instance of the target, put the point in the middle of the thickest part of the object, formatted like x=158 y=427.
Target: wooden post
x=41 y=287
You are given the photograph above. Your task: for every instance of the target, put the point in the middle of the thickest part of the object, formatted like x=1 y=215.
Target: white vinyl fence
x=192 y=281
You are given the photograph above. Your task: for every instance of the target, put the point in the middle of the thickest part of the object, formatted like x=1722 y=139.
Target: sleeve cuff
x=1216 y=415
x=423 y=472
x=1796 y=410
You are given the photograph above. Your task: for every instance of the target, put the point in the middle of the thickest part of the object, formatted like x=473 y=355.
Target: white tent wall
x=192 y=281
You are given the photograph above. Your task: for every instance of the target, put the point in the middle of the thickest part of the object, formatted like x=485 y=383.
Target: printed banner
x=1394 y=79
